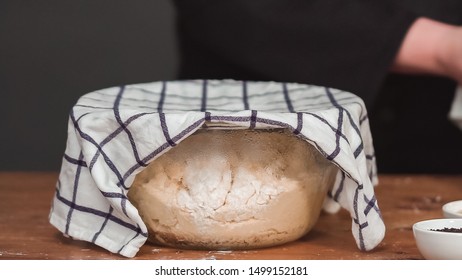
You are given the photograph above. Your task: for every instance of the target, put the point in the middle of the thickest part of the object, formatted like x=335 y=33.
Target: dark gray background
x=53 y=51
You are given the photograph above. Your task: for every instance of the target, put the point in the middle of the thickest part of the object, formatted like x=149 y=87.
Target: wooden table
x=25 y=233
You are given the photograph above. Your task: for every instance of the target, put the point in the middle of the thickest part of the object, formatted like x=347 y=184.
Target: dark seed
x=457 y=230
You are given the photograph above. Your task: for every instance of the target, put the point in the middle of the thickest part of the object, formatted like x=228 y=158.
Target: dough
x=233 y=189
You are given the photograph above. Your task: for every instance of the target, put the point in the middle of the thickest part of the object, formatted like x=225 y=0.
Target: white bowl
x=453 y=209
x=438 y=245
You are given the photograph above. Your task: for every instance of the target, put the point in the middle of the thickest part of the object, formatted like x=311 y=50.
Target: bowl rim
x=448 y=208
x=427 y=225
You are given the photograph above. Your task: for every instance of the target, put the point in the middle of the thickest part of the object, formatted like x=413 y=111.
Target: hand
x=431 y=47
x=450 y=57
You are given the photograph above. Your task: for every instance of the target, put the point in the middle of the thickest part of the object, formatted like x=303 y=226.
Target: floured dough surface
x=233 y=189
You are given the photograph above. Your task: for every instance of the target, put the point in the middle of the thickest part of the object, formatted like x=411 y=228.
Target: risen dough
x=231 y=189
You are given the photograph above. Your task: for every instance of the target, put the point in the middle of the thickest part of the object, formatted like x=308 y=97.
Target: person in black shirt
x=363 y=47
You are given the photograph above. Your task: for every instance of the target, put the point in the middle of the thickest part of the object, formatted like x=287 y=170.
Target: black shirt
x=348 y=45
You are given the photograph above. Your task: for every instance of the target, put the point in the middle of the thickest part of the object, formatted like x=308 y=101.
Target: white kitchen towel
x=115 y=132
x=455 y=114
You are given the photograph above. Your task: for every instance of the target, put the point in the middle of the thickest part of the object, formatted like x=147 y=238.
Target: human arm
x=431 y=47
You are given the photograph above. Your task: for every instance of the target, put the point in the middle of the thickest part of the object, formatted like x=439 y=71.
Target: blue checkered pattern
x=114 y=133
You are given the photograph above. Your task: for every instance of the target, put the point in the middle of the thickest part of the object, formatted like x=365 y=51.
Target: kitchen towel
x=114 y=133
x=455 y=114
